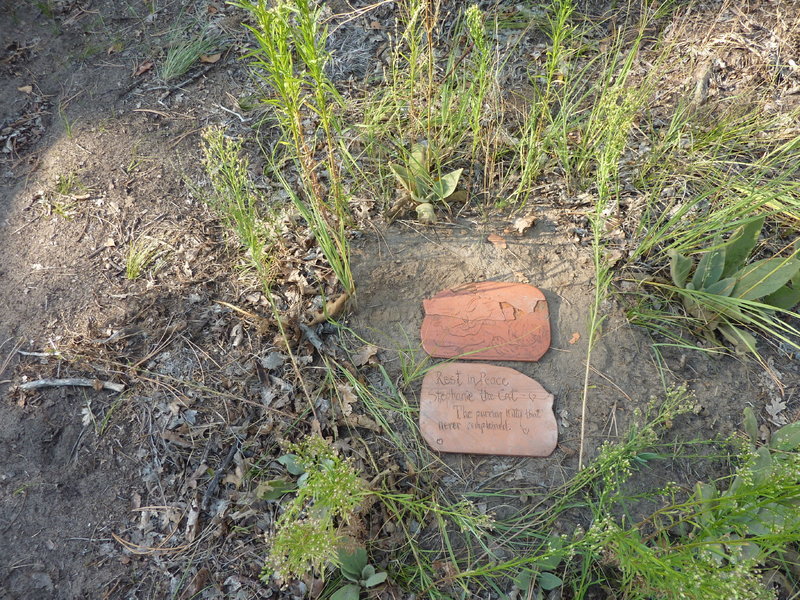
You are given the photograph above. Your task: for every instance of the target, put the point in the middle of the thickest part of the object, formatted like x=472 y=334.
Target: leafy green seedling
x=724 y=280
x=356 y=568
x=422 y=187
x=539 y=573
x=756 y=507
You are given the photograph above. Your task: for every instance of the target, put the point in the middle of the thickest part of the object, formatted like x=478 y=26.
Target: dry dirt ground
x=143 y=494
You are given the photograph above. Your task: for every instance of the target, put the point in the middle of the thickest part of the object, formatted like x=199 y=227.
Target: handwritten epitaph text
x=484 y=409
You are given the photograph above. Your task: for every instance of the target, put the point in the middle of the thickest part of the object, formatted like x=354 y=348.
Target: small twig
x=78 y=381
x=234 y=113
x=54 y=354
x=214 y=483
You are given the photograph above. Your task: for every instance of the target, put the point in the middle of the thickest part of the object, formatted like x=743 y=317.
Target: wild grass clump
x=290 y=60
x=184 y=51
x=234 y=199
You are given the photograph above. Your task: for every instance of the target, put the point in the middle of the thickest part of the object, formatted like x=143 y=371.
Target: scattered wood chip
x=498 y=241
x=210 y=58
x=575 y=337
x=143 y=68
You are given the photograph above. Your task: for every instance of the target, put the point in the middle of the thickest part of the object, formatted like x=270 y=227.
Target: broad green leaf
x=750 y=424
x=764 y=277
x=787 y=438
x=551 y=562
x=743 y=341
x=274 y=489
x=762 y=465
x=423 y=189
x=723 y=287
x=785 y=298
x=709 y=269
x=772 y=518
x=425 y=213
x=645 y=457
x=740 y=245
x=679 y=268
x=349 y=592
x=704 y=493
x=404 y=178
x=445 y=186
x=548 y=581
x=352 y=563
x=523 y=579
x=419 y=160
x=749 y=550
x=457 y=197
x=292 y=464
x=375 y=579
x=367 y=572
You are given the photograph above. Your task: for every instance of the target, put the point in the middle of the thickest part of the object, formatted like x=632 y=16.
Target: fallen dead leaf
x=458 y=197
x=347 y=397
x=522 y=224
x=143 y=68
x=210 y=58
x=375 y=25
x=365 y=356
x=575 y=337
x=333 y=308
x=26 y=89
x=498 y=241
x=362 y=421
x=521 y=277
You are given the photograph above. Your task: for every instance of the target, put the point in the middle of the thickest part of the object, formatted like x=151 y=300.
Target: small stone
x=489 y=320
x=485 y=409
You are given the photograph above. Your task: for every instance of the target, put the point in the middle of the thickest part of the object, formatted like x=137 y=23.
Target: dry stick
x=79 y=381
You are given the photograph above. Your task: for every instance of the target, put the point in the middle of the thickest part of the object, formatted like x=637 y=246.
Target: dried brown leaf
x=332 y=309
x=210 y=58
x=498 y=241
x=365 y=356
x=143 y=68
x=522 y=224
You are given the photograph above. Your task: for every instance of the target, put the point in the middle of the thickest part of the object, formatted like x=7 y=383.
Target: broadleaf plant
x=722 y=283
x=355 y=567
x=422 y=187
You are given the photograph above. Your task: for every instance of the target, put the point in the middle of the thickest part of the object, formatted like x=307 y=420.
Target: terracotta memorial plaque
x=485 y=409
x=489 y=320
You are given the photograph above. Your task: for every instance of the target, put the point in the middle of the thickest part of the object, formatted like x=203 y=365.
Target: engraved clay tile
x=488 y=320
x=485 y=409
